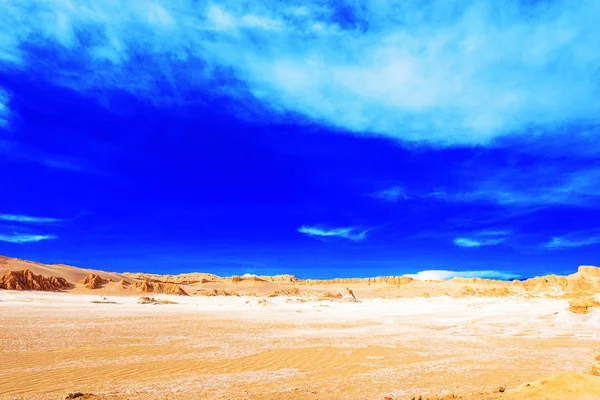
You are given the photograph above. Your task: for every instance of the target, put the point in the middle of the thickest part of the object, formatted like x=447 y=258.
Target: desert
x=67 y=331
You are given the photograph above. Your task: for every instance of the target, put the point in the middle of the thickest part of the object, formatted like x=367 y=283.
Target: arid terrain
x=66 y=331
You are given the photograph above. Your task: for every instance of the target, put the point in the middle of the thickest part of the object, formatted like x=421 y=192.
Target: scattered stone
x=75 y=395
x=152 y=300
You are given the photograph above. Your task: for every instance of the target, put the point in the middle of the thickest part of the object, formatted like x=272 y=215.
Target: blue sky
x=320 y=139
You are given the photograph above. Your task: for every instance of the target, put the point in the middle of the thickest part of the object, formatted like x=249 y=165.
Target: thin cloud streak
x=23 y=238
x=28 y=219
x=445 y=275
x=346 y=233
x=466 y=242
x=568 y=243
x=483 y=238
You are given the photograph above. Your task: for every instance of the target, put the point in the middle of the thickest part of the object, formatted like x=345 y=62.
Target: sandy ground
x=52 y=344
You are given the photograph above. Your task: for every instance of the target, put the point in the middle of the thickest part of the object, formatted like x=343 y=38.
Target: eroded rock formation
x=93 y=281
x=27 y=280
x=159 y=287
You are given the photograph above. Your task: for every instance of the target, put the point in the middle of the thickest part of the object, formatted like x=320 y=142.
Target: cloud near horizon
x=440 y=275
x=442 y=72
x=25 y=238
x=346 y=233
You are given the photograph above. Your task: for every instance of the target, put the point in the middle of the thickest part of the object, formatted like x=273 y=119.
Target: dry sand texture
x=297 y=345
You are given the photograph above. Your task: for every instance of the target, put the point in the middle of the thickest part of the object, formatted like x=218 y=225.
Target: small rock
x=596 y=369
x=500 y=389
x=75 y=395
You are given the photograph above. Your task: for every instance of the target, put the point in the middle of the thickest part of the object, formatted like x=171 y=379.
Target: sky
x=322 y=139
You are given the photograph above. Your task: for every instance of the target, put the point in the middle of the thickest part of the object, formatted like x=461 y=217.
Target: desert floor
x=52 y=344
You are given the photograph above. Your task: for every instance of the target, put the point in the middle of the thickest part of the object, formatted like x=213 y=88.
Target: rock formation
x=329 y=295
x=285 y=292
x=152 y=300
x=216 y=292
x=182 y=279
x=280 y=278
x=467 y=291
x=158 y=287
x=583 y=305
x=236 y=279
x=27 y=280
x=93 y=281
x=124 y=284
x=390 y=280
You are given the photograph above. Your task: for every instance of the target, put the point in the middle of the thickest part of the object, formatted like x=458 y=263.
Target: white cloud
x=445 y=72
x=27 y=219
x=565 y=242
x=346 y=233
x=444 y=275
x=483 y=238
x=23 y=238
x=391 y=194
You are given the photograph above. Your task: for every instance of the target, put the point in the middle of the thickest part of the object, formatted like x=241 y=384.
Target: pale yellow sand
x=239 y=347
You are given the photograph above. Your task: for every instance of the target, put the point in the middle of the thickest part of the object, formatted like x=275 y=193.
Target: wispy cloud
x=391 y=194
x=515 y=186
x=24 y=238
x=4 y=112
x=28 y=219
x=566 y=242
x=442 y=72
x=346 y=233
x=444 y=274
x=466 y=242
x=60 y=164
x=479 y=239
